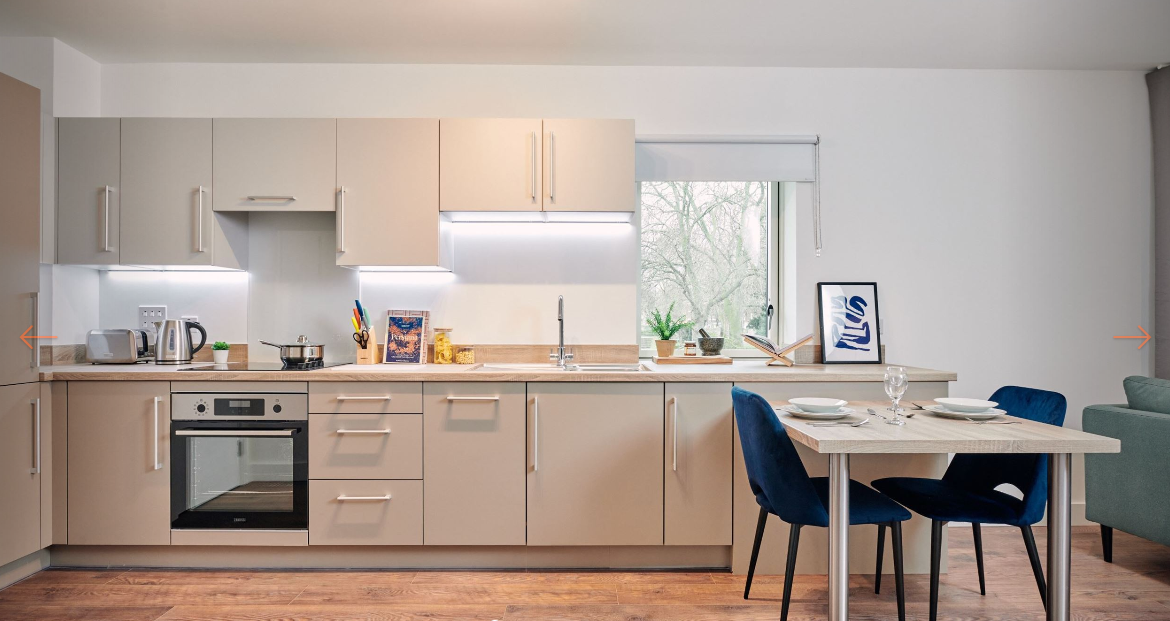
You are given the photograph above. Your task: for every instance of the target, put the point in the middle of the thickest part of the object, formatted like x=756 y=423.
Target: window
x=711 y=248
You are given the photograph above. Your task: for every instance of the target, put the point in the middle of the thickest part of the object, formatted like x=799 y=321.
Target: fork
x=839 y=424
x=993 y=422
x=875 y=413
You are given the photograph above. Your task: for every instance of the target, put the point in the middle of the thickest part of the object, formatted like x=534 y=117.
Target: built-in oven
x=239 y=461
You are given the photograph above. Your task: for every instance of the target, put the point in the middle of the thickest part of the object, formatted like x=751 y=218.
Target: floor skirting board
x=395 y=557
x=23 y=567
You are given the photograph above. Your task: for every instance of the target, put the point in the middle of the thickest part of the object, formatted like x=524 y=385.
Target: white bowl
x=818 y=404
x=969 y=406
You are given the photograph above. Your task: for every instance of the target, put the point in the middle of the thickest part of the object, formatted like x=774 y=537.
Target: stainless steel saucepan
x=300 y=352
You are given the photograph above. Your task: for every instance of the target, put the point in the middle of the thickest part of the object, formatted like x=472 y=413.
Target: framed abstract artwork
x=849 y=323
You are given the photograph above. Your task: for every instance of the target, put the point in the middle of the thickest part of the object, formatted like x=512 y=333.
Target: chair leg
x=790 y=569
x=1107 y=543
x=899 y=575
x=1037 y=569
x=881 y=551
x=979 y=557
x=763 y=520
x=936 y=533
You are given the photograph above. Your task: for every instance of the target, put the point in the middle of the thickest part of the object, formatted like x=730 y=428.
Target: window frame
x=775 y=277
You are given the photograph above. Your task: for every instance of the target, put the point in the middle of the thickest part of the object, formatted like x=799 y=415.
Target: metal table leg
x=838 y=537
x=1059 y=534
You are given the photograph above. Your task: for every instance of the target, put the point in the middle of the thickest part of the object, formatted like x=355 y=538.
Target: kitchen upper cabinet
x=119 y=472
x=167 y=187
x=20 y=248
x=388 y=193
x=275 y=164
x=474 y=463
x=698 y=462
x=490 y=165
x=595 y=463
x=589 y=165
x=21 y=459
x=88 y=191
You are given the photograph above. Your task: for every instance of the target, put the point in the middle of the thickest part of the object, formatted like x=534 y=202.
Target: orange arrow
x=1144 y=336
x=25 y=337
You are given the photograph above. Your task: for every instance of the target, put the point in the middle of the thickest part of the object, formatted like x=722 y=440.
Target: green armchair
x=1130 y=490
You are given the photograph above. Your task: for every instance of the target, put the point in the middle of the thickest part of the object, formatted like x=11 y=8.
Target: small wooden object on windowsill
x=781 y=356
x=369 y=355
x=692 y=360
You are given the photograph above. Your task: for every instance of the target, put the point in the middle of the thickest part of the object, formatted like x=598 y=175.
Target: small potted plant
x=666 y=327
x=219 y=352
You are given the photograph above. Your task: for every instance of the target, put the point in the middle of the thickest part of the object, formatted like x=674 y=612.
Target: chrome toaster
x=121 y=346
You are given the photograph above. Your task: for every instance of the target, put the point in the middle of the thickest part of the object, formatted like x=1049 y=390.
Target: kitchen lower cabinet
x=119 y=470
x=589 y=165
x=370 y=513
x=21 y=460
x=365 y=446
x=698 y=462
x=490 y=164
x=88 y=190
x=595 y=463
x=474 y=463
x=275 y=164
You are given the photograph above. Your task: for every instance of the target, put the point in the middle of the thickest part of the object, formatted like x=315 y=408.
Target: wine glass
x=895 y=381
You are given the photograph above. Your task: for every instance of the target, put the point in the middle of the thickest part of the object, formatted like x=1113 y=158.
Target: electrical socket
x=148 y=316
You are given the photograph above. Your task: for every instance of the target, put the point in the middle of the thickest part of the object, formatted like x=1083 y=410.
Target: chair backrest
x=777 y=476
x=1028 y=472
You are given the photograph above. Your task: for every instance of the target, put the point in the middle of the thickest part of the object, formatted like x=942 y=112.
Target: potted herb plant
x=219 y=352
x=666 y=327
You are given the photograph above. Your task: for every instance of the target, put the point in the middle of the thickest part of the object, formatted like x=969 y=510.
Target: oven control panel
x=239 y=406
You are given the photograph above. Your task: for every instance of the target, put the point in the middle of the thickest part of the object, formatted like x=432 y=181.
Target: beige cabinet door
x=369 y=513
x=489 y=164
x=275 y=164
x=21 y=459
x=119 y=471
x=595 y=464
x=388 y=185
x=474 y=463
x=20 y=247
x=698 y=458
x=89 y=191
x=589 y=165
x=166 y=192
x=365 y=446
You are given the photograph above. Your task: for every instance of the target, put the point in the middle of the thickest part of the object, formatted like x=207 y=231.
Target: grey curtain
x=1159 y=85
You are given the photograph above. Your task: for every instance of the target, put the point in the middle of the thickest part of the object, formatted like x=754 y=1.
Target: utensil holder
x=369 y=355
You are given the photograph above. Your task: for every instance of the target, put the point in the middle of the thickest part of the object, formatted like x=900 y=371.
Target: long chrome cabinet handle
x=215 y=433
x=157 y=464
x=535 y=435
x=344 y=498
x=552 y=167
x=363 y=431
x=271 y=198
x=36 y=329
x=36 y=469
x=199 y=222
x=381 y=398
x=674 y=426
x=106 y=219
x=483 y=398
x=533 y=166
x=341 y=220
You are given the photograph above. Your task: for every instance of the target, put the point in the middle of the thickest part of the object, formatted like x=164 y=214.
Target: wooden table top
x=927 y=433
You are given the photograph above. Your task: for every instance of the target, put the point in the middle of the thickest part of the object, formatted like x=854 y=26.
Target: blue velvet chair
x=966 y=492
x=783 y=488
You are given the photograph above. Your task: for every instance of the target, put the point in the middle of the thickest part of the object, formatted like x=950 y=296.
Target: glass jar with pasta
x=444 y=353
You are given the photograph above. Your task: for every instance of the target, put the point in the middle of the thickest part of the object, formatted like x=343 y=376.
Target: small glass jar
x=691 y=348
x=443 y=351
x=465 y=355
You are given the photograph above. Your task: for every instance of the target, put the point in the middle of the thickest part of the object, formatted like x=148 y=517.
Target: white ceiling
x=988 y=34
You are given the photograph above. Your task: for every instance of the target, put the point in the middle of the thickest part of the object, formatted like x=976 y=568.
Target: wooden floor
x=1136 y=586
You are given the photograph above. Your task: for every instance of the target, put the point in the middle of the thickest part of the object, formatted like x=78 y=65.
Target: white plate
x=969 y=406
x=818 y=405
x=939 y=410
x=796 y=412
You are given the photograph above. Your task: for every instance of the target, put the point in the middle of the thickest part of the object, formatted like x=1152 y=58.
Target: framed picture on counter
x=849 y=323
x=406 y=337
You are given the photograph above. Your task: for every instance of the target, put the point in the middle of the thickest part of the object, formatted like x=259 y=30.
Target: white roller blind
x=711 y=158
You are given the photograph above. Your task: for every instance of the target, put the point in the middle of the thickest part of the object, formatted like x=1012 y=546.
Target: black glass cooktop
x=264 y=366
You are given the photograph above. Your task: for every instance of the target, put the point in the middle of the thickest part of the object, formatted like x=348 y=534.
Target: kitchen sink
x=571 y=368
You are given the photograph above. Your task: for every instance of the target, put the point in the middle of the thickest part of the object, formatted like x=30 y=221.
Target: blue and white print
x=849 y=322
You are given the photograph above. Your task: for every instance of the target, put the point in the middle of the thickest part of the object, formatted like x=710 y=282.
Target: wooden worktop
x=750 y=370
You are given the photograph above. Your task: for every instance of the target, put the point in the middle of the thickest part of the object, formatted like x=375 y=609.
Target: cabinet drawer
x=365 y=397
x=380 y=513
x=365 y=446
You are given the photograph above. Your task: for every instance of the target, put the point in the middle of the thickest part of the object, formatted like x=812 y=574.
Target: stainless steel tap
x=560 y=356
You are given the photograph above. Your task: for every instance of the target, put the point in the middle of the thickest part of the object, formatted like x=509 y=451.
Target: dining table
x=926 y=432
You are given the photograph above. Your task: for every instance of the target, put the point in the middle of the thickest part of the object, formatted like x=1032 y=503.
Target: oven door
x=239 y=474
